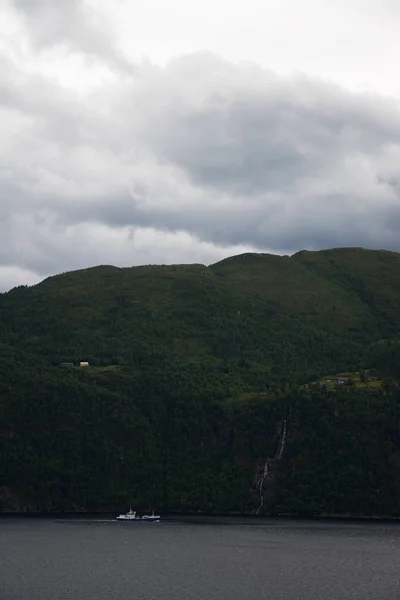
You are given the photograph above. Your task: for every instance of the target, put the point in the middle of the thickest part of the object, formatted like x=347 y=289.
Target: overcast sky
x=160 y=132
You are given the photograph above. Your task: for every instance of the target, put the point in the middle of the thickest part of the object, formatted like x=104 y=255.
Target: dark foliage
x=193 y=371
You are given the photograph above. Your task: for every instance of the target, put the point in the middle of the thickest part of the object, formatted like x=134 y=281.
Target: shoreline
x=178 y=515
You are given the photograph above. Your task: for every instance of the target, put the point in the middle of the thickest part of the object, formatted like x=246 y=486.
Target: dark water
x=234 y=559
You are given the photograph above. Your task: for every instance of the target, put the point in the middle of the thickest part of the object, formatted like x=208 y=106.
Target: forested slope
x=194 y=373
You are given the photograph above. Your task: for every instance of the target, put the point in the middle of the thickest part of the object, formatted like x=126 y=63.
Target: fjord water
x=198 y=559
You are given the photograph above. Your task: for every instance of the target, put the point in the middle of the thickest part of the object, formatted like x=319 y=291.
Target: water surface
x=198 y=559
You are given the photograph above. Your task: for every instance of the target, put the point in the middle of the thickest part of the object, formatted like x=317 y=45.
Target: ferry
x=132 y=516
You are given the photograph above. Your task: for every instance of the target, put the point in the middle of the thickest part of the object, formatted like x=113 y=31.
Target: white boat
x=132 y=516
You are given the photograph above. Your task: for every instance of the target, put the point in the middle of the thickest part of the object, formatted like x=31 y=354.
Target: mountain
x=195 y=396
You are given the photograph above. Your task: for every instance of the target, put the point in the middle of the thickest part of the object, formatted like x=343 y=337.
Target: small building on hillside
x=83 y=364
x=67 y=365
x=337 y=379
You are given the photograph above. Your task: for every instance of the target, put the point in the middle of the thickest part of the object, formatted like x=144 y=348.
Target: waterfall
x=282 y=443
x=261 y=485
x=266 y=469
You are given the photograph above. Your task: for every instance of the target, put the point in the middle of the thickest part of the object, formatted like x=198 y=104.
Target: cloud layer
x=189 y=162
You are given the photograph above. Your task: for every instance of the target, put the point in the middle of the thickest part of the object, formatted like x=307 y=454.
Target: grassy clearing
x=355 y=380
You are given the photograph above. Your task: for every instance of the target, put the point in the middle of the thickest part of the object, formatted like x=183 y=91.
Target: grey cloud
x=270 y=226
x=267 y=135
x=51 y=22
x=233 y=155
x=72 y=22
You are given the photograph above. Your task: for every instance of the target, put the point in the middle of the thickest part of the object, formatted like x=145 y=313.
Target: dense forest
x=208 y=388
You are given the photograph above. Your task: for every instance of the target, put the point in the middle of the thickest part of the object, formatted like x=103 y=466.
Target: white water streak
x=278 y=456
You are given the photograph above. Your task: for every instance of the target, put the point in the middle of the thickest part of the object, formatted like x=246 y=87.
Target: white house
x=83 y=364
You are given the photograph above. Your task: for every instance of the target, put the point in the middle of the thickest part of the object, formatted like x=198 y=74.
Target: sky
x=177 y=132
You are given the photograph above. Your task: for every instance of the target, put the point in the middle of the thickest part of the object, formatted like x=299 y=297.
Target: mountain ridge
x=193 y=372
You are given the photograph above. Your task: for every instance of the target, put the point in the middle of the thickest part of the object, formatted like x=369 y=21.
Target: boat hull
x=139 y=519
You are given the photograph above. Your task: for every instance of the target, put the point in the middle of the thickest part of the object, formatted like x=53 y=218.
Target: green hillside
x=196 y=377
